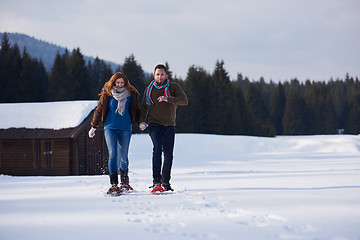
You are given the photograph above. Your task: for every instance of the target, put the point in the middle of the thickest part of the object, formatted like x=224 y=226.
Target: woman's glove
x=92 y=132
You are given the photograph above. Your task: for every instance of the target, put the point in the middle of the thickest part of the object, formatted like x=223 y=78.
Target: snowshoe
x=114 y=191
x=126 y=188
x=157 y=188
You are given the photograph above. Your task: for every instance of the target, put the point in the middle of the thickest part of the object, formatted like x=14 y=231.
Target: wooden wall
x=90 y=153
x=32 y=157
x=80 y=155
x=16 y=157
x=96 y=154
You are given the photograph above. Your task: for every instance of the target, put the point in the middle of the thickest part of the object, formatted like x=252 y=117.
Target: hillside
x=43 y=50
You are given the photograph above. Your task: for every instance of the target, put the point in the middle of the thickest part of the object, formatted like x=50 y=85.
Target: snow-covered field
x=227 y=187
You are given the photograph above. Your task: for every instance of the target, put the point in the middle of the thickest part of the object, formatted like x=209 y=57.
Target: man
x=159 y=104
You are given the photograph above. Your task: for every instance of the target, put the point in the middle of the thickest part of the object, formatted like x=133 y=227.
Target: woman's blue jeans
x=163 y=138
x=118 y=142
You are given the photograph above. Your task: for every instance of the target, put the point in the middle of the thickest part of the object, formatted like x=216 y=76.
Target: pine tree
x=106 y=75
x=5 y=70
x=353 y=105
x=34 y=79
x=243 y=123
x=169 y=72
x=12 y=80
x=99 y=73
x=78 y=81
x=134 y=73
x=295 y=115
x=221 y=101
x=58 y=84
x=22 y=77
x=277 y=107
x=258 y=112
x=42 y=80
x=338 y=96
x=195 y=116
x=322 y=119
x=95 y=75
x=26 y=89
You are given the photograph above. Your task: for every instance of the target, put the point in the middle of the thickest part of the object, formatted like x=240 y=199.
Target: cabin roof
x=43 y=120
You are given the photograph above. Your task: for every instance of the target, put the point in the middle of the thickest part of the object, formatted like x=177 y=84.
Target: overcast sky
x=274 y=39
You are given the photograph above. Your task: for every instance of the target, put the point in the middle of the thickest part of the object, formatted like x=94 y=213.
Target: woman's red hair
x=106 y=90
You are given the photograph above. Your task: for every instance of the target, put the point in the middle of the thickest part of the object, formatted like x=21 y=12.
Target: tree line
x=220 y=106
x=217 y=105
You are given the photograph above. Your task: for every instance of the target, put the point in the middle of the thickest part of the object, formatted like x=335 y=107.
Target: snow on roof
x=47 y=115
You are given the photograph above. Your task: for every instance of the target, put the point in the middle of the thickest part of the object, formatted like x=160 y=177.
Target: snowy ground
x=227 y=187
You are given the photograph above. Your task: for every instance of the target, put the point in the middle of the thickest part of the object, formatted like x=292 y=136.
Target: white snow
x=47 y=115
x=226 y=187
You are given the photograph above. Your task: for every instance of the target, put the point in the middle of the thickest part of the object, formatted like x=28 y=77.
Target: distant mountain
x=43 y=50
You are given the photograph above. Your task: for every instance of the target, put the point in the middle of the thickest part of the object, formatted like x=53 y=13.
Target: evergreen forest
x=217 y=105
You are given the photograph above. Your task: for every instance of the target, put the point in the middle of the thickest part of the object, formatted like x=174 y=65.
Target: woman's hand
x=92 y=132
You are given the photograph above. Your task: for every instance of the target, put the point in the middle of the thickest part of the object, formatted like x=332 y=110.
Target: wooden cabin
x=50 y=139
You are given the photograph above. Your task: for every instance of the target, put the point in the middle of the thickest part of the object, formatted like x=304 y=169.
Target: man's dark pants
x=163 y=138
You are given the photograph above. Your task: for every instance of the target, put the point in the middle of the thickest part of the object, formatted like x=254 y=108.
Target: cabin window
x=42 y=153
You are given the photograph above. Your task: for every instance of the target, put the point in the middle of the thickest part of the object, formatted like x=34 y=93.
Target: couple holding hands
x=118 y=109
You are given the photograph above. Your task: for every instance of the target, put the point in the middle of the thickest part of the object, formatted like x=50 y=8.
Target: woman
x=117 y=110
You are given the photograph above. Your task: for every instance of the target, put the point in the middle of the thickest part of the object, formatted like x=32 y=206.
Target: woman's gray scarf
x=120 y=95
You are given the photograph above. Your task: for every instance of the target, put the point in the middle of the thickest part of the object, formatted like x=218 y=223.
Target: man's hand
x=143 y=126
x=162 y=99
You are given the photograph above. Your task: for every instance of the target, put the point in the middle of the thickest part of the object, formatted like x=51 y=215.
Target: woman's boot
x=114 y=181
x=125 y=186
